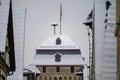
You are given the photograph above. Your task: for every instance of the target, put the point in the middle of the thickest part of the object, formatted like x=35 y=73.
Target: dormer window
x=57 y=57
x=58 y=41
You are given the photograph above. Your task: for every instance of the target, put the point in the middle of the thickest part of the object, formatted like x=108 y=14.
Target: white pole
x=85 y=72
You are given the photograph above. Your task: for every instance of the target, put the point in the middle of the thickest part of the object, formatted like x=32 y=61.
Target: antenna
x=54 y=25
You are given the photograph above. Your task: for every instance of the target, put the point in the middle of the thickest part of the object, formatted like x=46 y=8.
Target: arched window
x=40 y=78
x=60 y=78
x=65 y=78
x=45 y=78
x=50 y=78
x=55 y=78
x=75 y=78
x=70 y=78
x=30 y=77
x=79 y=78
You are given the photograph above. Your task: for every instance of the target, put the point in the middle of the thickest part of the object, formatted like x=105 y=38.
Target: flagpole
x=60 y=18
x=60 y=28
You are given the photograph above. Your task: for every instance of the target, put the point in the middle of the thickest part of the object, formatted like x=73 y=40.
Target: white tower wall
x=4 y=12
x=105 y=41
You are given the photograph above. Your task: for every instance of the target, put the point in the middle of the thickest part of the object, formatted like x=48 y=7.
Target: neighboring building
x=104 y=42
x=30 y=72
x=8 y=25
x=7 y=53
x=19 y=34
x=58 y=58
x=89 y=23
x=117 y=34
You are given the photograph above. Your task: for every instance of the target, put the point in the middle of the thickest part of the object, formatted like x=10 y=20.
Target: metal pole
x=93 y=45
x=89 y=52
x=24 y=35
x=60 y=18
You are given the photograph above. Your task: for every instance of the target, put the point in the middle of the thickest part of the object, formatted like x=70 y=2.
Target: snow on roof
x=31 y=68
x=74 y=59
x=66 y=59
x=66 y=43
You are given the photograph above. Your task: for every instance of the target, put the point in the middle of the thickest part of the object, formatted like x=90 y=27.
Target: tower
x=58 y=58
x=104 y=51
x=18 y=26
x=105 y=47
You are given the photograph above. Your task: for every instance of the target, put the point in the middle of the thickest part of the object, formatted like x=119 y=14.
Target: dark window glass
x=44 y=68
x=60 y=78
x=58 y=69
x=58 y=41
x=72 y=69
x=55 y=78
x=57 y=57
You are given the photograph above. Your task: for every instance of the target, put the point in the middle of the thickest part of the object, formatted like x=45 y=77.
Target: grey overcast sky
x=42 y=13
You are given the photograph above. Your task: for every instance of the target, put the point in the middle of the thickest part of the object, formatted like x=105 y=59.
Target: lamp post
x=54 y=25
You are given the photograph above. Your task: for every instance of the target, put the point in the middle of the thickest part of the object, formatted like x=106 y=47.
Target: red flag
x=60 y=12
x=60 y=17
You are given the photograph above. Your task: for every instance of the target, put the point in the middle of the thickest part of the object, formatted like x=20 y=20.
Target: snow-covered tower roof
x=58 y=50
x=51 y=43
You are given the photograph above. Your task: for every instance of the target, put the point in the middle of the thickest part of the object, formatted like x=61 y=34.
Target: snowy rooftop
x=31 y=68
x=66 y=43
x=65 y=60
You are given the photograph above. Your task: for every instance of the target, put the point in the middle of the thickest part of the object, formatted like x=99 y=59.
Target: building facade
x=7 y=53
x=104 y=42
x=89 y=24
x=58 y=58
x=19 y=35
x=117 y=34
x=30 y=72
